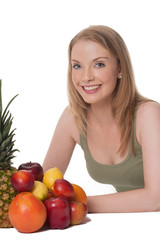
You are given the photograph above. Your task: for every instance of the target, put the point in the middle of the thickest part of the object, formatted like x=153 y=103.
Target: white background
x=34 y=38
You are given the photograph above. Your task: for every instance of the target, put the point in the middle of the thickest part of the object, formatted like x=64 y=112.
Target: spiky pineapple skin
x=7 y=194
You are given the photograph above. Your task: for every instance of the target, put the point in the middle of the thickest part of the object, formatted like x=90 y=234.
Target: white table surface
x=136 y=226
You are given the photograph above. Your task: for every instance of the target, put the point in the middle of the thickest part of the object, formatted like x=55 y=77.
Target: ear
x=119 y=75
x=119 y=71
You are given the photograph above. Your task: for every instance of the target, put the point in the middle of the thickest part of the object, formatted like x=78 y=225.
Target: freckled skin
x=93 y=65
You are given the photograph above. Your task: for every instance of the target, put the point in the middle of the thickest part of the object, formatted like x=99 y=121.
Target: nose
x=87 y=75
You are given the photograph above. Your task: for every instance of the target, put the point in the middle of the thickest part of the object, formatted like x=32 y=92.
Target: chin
x=92 y=102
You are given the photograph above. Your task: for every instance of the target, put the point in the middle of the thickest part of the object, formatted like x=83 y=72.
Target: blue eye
x=76 y=66
x=99 y=65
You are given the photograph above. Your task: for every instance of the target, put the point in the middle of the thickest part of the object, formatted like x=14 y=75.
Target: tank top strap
x=136 y=144
x=83 y=140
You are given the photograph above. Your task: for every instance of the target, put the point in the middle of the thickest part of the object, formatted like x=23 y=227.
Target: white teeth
x=91 y=88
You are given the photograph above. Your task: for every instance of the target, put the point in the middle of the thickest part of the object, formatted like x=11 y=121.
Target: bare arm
x=147 y=199
x=62 y=143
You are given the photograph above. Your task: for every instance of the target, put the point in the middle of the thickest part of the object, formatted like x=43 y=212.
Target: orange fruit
x=27 y=213
x=79 y=194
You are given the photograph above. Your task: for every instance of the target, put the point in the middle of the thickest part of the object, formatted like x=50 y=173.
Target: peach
x=78 y=212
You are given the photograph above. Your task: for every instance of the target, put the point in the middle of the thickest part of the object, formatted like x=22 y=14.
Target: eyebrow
x=92 y=60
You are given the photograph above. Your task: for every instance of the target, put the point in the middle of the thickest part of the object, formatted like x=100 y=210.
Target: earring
x=120 y=77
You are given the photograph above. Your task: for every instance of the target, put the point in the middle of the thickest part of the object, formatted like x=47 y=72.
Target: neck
x=101 y=114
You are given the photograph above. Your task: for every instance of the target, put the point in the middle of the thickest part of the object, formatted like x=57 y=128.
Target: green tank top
x=124 y=176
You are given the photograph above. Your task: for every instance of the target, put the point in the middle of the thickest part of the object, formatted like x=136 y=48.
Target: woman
x=117 y=128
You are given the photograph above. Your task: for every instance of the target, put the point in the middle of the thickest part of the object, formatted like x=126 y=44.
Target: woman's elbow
x=156 y=206
x=154 y=203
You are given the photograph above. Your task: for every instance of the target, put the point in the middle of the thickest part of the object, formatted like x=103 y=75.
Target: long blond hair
x=125 y=97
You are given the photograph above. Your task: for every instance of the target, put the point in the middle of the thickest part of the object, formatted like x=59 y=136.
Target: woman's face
x=94 y=71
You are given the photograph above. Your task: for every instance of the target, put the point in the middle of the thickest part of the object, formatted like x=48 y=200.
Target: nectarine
x=63 y=188
x=22 y=181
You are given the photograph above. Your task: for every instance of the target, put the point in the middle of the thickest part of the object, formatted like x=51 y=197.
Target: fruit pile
x=45 y=198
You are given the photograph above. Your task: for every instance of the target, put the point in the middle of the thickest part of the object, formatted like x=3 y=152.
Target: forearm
x=140 y=200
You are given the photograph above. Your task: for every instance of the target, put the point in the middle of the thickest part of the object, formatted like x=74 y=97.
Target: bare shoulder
x=67 y=120
x=148 y=117
x=148 y=109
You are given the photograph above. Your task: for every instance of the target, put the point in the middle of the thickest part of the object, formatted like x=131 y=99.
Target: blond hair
x=125 y=97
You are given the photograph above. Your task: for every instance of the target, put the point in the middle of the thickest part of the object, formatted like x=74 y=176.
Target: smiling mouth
x=92 y=88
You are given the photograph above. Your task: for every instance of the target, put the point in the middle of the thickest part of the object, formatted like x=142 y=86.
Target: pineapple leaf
x=6 y=130
x=2 y=156
x=5 y=121
x=6 y=124
x=7 y=163
x=12 y=132
x=11 y=152
x=5 y=143
x=6 y=135
x=8 y=106
x=9 y=148
x=5 y=116
x=9 y=158
x=0 y=137
x=0 y=98
x=0 y=106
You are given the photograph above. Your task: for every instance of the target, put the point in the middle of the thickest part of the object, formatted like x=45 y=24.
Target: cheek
x=110 y=79
x=75 y=78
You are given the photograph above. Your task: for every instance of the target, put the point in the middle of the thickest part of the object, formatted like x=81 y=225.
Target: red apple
x=78 y=212
x=63 y=188
x=33 y=167
x=22 y=181
x=58 y=212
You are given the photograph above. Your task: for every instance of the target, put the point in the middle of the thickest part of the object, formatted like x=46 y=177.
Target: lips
x=91 y=88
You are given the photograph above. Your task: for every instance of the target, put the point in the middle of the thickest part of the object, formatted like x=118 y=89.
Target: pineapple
x=7 y=193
